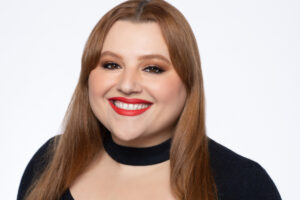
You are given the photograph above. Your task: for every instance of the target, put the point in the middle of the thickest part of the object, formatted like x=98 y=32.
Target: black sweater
x=237 y=177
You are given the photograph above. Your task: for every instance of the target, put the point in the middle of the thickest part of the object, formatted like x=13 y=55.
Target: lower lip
x=128 y=112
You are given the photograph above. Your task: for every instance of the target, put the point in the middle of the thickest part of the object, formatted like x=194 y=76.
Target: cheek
x=169 y=90
x=98 y=84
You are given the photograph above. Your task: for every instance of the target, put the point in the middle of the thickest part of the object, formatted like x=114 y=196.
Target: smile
x=129 y=107
x=126 y=106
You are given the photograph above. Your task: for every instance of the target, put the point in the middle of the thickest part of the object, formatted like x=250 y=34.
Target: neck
x=137 y=156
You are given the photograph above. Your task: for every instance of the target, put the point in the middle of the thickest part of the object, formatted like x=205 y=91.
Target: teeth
x=127 y=106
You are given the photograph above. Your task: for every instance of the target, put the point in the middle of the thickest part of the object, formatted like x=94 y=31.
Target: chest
x=134 y=183
x=125 y=188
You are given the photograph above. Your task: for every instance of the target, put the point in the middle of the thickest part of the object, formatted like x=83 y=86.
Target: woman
x=135 y=128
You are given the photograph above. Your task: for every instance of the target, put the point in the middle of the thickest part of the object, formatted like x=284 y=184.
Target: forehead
x=133 y=39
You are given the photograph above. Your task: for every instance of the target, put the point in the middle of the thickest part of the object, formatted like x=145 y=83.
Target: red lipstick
x=128 y=112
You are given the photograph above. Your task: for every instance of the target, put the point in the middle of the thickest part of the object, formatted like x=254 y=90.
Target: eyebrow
x=144 y=57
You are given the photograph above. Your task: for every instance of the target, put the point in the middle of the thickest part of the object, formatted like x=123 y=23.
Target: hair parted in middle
x=191 y=175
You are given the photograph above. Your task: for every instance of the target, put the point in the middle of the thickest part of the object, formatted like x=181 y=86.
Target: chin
x=126 y=135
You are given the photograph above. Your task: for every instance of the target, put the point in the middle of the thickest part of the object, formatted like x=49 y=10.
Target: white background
x=250 y=60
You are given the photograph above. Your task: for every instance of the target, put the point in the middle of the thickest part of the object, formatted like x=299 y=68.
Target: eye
x=154 y=69
x=111 y=66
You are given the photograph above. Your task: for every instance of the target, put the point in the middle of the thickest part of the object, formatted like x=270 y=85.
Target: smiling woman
x=136 y=73
x=135 y=128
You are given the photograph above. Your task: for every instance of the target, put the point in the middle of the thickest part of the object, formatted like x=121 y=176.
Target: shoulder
x=238 y=177
x=36 y=165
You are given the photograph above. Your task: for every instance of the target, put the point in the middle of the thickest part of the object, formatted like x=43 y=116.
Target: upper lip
x=126 y=100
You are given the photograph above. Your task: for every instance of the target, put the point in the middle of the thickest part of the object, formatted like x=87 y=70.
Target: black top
x=237 y=177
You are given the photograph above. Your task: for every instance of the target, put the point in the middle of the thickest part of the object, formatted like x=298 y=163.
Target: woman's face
x=135 y=91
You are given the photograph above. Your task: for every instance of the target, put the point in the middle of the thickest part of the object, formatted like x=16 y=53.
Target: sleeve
x=258 y=184
x=35 y=166
x=238 y=177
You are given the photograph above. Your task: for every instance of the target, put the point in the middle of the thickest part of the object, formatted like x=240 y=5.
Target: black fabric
x=136 y=155
x=237 y=177
x=35 y=166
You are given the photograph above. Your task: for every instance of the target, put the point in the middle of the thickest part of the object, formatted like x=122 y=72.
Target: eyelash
x=151 y=68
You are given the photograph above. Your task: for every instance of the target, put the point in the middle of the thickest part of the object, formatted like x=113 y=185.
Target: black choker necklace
x=139 y=156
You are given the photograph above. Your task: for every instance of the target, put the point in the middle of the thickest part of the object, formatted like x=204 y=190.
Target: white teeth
x=127 y=106
x=130 y=106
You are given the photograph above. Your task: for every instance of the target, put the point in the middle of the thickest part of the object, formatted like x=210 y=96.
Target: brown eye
x=154 y=69
x=111 y=66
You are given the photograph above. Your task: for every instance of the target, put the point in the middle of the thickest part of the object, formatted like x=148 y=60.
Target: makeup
x=129 y=107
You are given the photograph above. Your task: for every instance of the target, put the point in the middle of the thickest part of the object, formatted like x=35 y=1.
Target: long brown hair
x=191 y=176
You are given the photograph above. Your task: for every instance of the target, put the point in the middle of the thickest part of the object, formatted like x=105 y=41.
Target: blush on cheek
x=100 y=82
x=172 y=89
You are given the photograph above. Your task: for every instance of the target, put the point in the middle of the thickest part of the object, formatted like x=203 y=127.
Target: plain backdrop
x=250 y=60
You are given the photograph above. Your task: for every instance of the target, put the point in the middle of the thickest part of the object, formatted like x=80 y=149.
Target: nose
x=129 y=82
